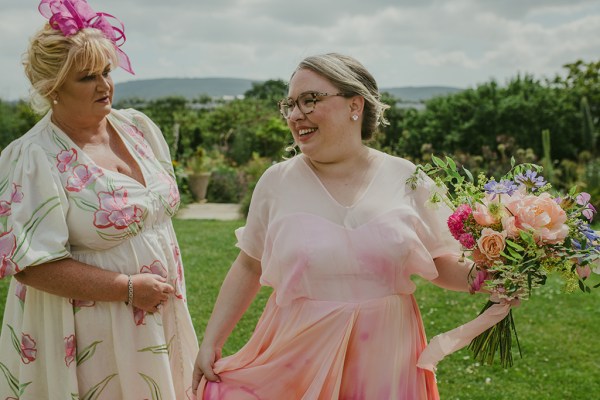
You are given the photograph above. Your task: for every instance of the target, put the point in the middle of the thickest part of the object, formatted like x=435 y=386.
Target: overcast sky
x=456 y=43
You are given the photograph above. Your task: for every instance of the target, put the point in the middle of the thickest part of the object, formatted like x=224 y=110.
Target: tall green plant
x=547 y=160
x=589 y=133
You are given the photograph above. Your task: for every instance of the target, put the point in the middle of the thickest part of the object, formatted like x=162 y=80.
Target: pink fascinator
x=70 y=16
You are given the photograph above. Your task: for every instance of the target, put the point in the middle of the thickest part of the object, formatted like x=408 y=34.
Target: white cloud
x=403 y=42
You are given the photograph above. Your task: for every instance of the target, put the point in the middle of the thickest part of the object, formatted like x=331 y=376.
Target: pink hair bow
x=70 y=16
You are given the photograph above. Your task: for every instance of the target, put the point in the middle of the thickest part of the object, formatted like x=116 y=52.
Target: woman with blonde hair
x=96 y=306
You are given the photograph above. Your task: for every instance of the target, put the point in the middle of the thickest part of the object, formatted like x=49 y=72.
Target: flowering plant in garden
x=517 y=231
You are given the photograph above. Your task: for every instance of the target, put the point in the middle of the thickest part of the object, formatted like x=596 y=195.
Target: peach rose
x=491 y=243
x=483 y=216
x=540 y=215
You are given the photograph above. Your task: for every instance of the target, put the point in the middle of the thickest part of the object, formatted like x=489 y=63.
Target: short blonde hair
x=51 y=56
x=351 y=78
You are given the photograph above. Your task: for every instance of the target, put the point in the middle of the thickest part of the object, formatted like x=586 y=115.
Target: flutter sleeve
x=251 y=237
x=33 y=209
x=432 y=227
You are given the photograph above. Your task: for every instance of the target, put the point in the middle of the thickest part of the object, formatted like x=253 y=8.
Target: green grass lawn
x=558 y=332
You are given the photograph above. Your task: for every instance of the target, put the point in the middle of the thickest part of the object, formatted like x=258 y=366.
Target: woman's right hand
x=150 y=291
x=204 y=365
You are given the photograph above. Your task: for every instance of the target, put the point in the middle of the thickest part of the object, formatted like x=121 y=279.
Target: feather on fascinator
x=70 y=16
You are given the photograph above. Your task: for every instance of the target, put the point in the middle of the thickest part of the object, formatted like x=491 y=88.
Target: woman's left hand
x=150 y=291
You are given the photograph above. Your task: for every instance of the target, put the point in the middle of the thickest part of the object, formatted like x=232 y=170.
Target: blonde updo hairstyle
x=351 y=78
x=51 y=55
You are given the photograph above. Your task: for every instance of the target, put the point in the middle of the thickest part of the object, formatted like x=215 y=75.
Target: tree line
x=550 y=121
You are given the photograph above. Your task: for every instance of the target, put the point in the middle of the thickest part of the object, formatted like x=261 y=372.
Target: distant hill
x=190 y=88
x=219 y=87
x=419 y=93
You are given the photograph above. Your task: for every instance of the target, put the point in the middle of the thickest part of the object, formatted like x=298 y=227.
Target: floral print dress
x=55 y=203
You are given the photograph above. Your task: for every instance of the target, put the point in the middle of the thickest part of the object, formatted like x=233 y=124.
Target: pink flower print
x=178 y=284
x=20 y=291
x=134 y=132
x=28 y=350
x=8 y=243
x=65 y=158
x=4 y=208
x=114 y=210
x=143 y=150
x=139 y=316
x=70 y=349
x=16 y=195
x=155 y=268
x=173 y=192
x=83 y=176
x=82 y=303
x=141 y=147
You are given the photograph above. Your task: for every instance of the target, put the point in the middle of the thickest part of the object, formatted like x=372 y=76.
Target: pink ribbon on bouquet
x=70 y=16
x=449 y=342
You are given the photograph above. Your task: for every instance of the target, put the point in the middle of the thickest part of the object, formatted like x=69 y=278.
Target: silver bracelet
x=129 y=291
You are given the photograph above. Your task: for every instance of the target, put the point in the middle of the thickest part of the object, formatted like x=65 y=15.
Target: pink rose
x=489 y=212
x=456 y=222
x=540 y=215
x=491 y=243
x=483 y=216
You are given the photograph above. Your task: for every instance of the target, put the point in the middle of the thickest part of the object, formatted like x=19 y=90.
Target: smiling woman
x=96 y=302
x=336 y=234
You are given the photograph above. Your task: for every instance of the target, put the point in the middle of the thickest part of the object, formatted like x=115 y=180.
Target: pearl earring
x=355 y=117
x=55 y=102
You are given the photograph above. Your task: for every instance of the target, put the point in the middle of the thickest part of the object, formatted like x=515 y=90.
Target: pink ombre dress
x=342 y=322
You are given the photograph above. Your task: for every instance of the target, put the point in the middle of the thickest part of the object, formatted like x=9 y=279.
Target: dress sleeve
x=251 y=238
x=432 y=227
x=33 y=209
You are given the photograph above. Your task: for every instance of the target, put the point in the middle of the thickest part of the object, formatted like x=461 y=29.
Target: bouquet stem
x=498 y=338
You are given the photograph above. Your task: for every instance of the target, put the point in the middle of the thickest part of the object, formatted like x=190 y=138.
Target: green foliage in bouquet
x=516 y=231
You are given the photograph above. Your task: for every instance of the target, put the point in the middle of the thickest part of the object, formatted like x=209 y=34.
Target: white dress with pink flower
x=55 y=202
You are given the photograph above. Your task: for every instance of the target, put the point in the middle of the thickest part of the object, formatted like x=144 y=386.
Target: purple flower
x=583 y=199
x=530 y=180
x=505 y=186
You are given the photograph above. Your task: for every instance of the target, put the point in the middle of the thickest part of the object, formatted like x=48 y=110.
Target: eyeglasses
x=306 y=103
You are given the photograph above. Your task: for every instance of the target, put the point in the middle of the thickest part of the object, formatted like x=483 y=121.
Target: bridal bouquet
x=516 y=231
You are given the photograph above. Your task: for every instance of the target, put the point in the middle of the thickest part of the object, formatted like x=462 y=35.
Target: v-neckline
x=143 y=184
x=361 y=196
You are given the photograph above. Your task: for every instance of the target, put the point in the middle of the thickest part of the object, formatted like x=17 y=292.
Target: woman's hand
x=150 y=291
x=205 y=362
